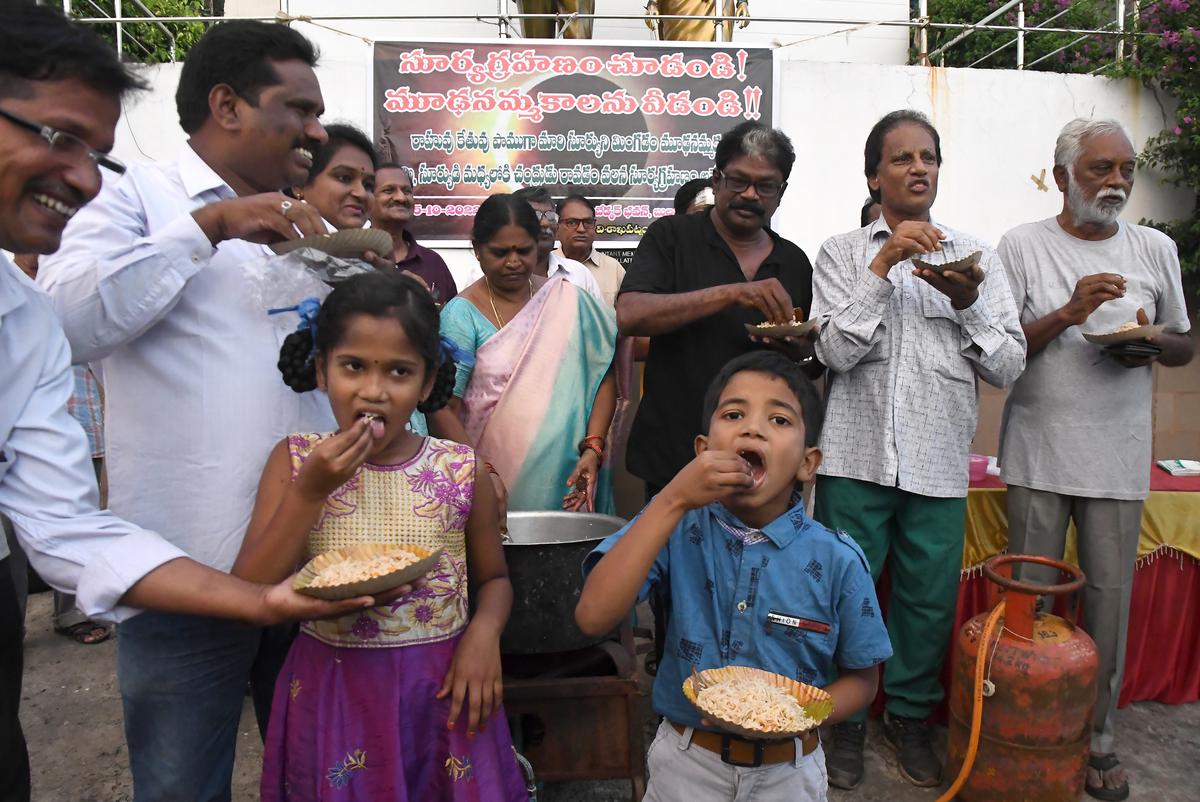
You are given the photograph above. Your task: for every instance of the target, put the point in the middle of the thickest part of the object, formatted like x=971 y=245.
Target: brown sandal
x=89 y=633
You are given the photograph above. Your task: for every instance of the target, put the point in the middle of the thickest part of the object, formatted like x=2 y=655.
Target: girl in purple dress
x=400 y=702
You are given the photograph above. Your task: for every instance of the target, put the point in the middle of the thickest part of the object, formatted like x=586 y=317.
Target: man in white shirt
x=60 y=92
x=905 y=348
x=548 y=263
x=1076 y=437
x=150 y=278
x=577 y=241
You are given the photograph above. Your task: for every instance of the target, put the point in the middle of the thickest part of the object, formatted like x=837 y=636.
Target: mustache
x=749 y=206
x=1111 y=192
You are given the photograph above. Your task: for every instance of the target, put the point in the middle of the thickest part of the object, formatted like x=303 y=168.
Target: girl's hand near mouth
x=334 y=461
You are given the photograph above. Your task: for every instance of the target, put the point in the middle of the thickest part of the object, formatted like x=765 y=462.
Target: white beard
x=1092 y=211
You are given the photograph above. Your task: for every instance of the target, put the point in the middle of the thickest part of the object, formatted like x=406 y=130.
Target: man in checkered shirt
x=905 y=348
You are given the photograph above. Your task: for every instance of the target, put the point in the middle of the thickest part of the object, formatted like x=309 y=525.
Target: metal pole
x=502 y=16
x=1021 y=36
x=1012 y=42
x=1067 y=46
x=562 y=29
x=167 y=31
x=923 y=32
x=120 y=31
x=1137 y=23
x=970 y=30
x=1121 y=28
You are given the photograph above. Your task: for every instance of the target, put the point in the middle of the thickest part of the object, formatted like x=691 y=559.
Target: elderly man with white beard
x=1075 y=443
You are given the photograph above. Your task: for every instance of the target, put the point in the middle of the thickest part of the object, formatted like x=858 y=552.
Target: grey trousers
x=1107 y=532
x=680 y=772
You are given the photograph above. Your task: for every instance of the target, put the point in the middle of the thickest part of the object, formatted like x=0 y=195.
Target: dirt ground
x=71 y=711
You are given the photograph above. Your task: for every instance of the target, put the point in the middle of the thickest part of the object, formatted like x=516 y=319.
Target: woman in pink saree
x=538 y=399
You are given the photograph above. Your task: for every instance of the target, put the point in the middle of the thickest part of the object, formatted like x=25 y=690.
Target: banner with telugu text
x=624 y=125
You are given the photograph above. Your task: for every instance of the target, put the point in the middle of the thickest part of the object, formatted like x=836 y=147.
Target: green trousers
x=920 y=539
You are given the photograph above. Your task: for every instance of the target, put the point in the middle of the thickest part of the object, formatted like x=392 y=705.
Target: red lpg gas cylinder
x=1037 y=705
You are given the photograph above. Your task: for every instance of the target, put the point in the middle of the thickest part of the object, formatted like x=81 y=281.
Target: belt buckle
x=725 y=757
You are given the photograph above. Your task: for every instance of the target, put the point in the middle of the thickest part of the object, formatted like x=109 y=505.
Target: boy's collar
x=782 y=531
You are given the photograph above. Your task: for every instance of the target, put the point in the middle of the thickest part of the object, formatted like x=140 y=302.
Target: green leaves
x=1162 y=50
x=148 y=42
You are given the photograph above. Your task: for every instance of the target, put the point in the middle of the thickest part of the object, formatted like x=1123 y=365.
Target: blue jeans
x=183 y=679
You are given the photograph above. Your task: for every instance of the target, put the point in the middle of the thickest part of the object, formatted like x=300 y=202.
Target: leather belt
x=746 y=753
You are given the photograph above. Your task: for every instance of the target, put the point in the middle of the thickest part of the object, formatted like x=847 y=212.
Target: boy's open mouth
x=375 y=421
x=758 y=465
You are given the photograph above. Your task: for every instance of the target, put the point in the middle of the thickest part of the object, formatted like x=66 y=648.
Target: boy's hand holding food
x=711 y=476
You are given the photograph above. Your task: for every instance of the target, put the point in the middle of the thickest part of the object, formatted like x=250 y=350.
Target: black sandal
x=1104 y=764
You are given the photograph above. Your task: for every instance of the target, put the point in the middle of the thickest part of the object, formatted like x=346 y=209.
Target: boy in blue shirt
x=752 y=581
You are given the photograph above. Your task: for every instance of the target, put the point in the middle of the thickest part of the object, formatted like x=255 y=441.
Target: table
x=1162 y=662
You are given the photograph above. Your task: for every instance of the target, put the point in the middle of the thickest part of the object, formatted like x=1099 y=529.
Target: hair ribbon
x=307 y=310
x=450 y=350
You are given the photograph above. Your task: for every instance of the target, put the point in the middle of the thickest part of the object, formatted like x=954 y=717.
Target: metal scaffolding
x=507 y=25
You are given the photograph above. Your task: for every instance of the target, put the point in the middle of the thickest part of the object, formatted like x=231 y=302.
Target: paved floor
x=71 y=711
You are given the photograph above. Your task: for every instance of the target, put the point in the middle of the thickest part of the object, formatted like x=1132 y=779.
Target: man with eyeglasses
x=695 y=281
x=60 y=99
x=551 y=264
x=905 y=347
x=152 y=279
x=577 y=237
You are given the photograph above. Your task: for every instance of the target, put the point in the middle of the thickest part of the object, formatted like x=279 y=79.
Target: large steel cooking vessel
x=545 y=552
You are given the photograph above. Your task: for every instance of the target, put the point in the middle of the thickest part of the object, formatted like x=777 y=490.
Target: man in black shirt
x=696 y=279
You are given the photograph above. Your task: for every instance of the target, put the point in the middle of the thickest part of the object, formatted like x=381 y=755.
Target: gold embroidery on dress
x=459 y=768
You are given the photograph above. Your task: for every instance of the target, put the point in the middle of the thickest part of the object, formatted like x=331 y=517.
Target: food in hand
x=375 y=422
x=345 y=572
x=797 y=320
x=769 y=325
x=755 y=705
x=1130 y=326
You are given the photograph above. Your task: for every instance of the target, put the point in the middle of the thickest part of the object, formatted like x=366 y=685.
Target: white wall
x=997 y=127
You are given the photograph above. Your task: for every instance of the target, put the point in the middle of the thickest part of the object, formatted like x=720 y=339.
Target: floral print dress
x=354 y=715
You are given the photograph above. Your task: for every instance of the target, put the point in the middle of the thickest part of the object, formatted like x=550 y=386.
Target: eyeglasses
x=765 y=189
x=66 y=145
x=549 y=216
x=578 y=222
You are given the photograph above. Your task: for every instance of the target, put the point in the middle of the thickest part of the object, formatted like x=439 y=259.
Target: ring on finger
x=284 y=207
